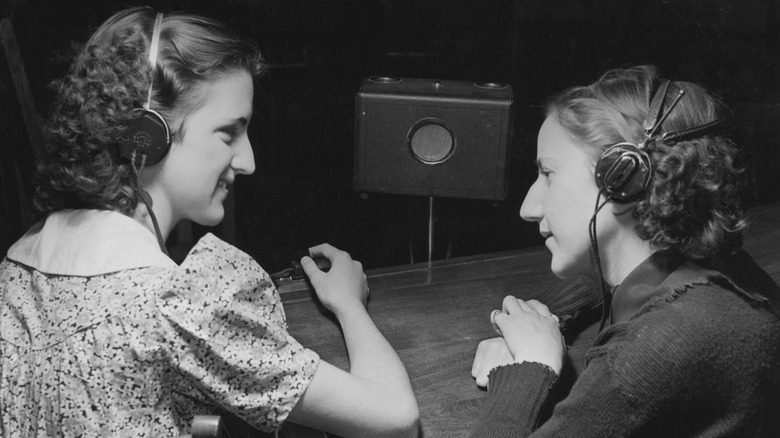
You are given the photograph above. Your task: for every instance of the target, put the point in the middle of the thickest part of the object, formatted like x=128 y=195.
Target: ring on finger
x=493 y=315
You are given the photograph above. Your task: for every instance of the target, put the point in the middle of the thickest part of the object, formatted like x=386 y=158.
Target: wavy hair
x=692 y=206
x=109 y=78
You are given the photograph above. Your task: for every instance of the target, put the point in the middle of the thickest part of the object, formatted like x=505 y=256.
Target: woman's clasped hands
x=529 y=333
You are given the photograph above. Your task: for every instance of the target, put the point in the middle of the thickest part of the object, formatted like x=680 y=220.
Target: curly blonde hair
x=692 y=206
x=82 y=167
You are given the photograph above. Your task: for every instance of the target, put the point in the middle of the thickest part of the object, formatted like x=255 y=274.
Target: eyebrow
x=539 y=163
x=241 y=121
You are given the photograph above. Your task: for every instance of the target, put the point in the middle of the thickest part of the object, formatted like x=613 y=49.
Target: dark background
x=303 y=127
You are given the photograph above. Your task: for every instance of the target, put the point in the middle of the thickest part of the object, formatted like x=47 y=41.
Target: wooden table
x=435 y=314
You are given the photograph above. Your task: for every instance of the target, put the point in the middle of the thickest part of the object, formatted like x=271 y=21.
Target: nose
x=244 y=159
x=531 y=210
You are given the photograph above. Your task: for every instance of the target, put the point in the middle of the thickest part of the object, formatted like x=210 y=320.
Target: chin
x=211 y=219
x=561 y=274
x=569 y=270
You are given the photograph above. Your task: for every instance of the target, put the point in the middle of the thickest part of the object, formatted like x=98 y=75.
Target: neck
x=624 y=254
x=144 y=217
x=621 y=249
x=160 y=205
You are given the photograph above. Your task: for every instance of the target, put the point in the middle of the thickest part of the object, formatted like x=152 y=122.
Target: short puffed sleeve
x=227 y=336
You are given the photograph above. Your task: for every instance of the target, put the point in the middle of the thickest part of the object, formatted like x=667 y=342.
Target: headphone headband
x=624 y=170
x=656 y=105
x=689 y=133
x=148 y=137
x=153 y=49
x=658 y=116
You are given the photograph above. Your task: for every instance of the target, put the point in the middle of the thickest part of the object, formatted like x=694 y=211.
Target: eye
x=228 y=133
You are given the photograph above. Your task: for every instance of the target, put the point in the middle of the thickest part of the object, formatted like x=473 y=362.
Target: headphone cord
x=594 y=246
x=142 y=195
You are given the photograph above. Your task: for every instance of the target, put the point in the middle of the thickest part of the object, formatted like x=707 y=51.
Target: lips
x=224 y=184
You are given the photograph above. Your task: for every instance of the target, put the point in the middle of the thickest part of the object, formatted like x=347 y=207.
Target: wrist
x=525 y=376
x=553 y=366
x=346 y=309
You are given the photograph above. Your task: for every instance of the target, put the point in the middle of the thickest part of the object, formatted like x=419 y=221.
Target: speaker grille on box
x=431 y=141
x=432 y=138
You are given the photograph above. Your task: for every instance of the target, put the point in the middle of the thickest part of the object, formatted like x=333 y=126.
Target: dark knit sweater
x=689 y=351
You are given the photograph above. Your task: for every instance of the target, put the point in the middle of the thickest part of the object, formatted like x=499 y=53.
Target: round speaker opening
x=431 y=141
x=384 y=79
x=490 y=85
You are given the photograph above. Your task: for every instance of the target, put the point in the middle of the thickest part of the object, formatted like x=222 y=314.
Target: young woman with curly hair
x=101 y=334
x=636 y=185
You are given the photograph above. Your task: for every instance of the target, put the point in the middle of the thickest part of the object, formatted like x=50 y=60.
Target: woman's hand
x=374 y=398
x=343 y=286
x=531 y=332
x=491 y=353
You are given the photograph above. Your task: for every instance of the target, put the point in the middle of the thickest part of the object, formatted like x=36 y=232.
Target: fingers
x=324 y=249
x=512 y=305
x=512 y=308
x=310 y=267
x=341 y=285
x=366 y=290
x=480 y=360
x=475 y=366
x=491 y=353
x=538 y=307
x=493 y=315
x=481 y=375
x=333 y=254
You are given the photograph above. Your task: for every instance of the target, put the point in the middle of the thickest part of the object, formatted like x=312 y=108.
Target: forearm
x=374 y=398
x=516 y=397
x=370 y=355
x=382 y=396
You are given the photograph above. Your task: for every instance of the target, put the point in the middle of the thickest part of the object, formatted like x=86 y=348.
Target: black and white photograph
x=378 y=218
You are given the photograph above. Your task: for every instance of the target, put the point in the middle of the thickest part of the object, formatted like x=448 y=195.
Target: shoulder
x=685 y=341
x=212 y=257
x=708 y=307
x=701 y=315
x=216 y=276
x=707 y=303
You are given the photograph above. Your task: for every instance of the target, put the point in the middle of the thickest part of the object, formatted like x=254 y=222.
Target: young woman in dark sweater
x=690 y=343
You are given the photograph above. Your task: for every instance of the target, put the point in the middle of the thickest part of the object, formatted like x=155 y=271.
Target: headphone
x=148 y=137
x=624 y=170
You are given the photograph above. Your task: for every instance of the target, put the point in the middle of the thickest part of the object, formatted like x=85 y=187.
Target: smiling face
x=193 y=180
x=562 y=200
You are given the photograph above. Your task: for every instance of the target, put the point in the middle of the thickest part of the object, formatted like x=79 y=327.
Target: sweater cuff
x=516 y=397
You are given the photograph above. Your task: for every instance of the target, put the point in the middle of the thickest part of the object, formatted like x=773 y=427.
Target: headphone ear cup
x=623 y=172
x=149 y=135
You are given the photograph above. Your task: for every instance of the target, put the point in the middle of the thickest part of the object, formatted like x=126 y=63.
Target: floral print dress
x=102 y=335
